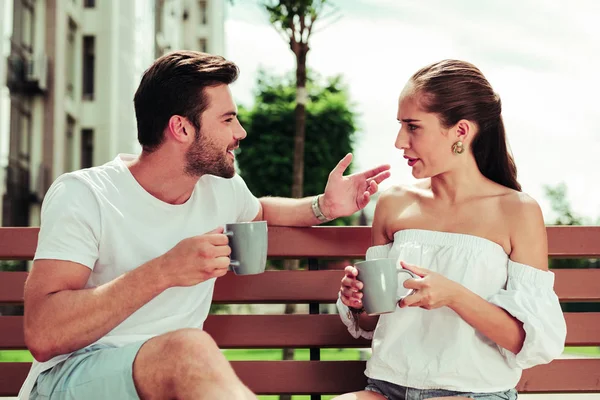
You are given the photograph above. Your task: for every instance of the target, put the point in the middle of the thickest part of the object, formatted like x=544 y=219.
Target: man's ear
x=180 y=129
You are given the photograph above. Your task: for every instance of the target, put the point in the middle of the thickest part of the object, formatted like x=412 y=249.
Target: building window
x=203 y=45
x=24 y=135
x=89 y=3
x=89 y=57
x=70 y=61
x=27 y=26
x=203 y=12
x=87 y=148
x=69 y=139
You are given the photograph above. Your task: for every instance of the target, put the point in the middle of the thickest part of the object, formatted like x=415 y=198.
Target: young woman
x=484 y=308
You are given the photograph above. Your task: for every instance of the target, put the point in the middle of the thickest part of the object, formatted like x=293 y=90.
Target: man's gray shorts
x=93 y=373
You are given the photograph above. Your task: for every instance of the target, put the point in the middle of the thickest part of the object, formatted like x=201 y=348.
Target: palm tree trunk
x=298 y=170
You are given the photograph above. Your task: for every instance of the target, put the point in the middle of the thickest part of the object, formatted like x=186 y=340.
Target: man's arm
x=343 y=196
x=61 y=316
x=285 y=211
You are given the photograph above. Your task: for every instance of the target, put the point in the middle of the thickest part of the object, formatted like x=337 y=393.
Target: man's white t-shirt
x=103 y=219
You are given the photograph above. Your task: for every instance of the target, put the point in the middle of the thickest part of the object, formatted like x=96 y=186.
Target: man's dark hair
x=174 y=85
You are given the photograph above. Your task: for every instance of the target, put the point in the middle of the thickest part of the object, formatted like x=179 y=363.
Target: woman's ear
x=464 y=130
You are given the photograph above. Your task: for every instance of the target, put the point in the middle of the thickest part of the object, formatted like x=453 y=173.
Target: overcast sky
x=541 y=56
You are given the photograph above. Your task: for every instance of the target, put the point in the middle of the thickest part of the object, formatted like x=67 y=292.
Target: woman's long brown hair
x=456 y=90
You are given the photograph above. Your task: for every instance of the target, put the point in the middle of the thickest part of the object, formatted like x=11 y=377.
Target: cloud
x=531 y=32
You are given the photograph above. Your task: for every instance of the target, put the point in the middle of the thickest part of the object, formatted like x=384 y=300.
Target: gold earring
x=458 y=148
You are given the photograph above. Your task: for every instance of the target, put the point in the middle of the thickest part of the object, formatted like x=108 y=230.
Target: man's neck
x=162 y=176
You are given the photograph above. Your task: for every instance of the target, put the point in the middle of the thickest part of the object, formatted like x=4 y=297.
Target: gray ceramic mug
x=383 y=284
x=248 y=242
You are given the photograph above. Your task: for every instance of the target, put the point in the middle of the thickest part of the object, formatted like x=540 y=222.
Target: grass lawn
x=299 y=354
x=274 y=354
x=583 y=351
x=15 y=356
x=232 y=355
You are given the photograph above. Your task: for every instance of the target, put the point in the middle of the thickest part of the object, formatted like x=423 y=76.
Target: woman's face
x=426 y=143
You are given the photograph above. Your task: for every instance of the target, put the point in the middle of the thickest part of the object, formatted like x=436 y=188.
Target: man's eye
x=229 y=120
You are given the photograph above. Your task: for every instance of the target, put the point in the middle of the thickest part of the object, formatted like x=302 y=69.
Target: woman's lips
x=411 y=161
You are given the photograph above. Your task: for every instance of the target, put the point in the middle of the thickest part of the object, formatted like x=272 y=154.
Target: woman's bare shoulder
x=398 y=194
x=518 y=205
x=527 y=229
x=391 y=203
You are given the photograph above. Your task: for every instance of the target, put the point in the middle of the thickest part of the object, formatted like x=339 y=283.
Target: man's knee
x=189 y=344
x=171 y=361
x=188 y=350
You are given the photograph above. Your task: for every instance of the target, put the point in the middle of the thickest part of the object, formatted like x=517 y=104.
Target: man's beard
x=204 y=157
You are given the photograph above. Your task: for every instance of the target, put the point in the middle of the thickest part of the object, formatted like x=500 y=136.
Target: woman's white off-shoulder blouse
x=437 y=349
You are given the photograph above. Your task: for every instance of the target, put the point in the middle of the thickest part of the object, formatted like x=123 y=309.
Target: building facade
x=191 y=25
x=71 y=76
x=5 y=33
x=71 y=71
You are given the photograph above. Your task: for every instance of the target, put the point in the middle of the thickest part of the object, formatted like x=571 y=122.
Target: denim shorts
x=392 y=391
x=92 y=373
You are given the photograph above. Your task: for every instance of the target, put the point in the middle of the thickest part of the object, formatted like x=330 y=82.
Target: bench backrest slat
x=316 y=286
x=300 y=331
x=329 y=242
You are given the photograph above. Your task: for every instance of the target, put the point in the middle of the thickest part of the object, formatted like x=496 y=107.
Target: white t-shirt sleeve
x=246 y=203
x=70 y=223
x=529 y=297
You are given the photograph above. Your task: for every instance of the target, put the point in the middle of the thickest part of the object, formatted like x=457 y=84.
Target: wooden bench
x=312 y=331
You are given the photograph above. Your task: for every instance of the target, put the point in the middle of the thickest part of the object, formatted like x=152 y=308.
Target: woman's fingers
x=350 y=293
x=415 y=269
x=352 y=283
x=410 y=301
x=350 y=298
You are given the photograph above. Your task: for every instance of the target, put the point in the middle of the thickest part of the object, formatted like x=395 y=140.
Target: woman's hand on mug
x=350 y=291
x=432 y=290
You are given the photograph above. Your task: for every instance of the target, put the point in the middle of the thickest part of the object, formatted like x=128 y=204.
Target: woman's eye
x=412 y=127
